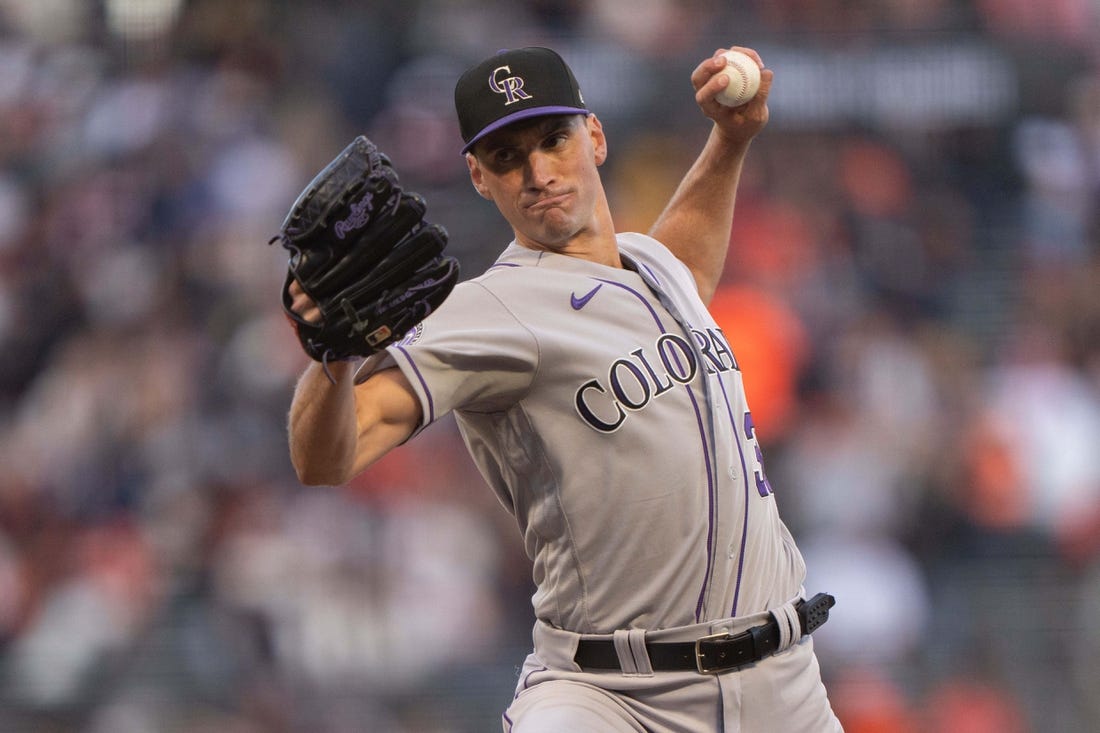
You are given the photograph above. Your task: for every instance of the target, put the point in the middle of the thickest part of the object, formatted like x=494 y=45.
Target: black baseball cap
x=514 y=85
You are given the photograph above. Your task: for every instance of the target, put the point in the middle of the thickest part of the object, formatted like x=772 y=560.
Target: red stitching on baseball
x=744 y=76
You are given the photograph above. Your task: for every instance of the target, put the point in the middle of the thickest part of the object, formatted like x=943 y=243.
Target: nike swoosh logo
x=582 y=301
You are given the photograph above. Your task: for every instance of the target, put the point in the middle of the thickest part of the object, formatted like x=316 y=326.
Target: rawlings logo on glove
x=360 y=214
x=361 y=250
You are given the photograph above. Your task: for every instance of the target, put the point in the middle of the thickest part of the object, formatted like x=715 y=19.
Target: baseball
x=744 y=77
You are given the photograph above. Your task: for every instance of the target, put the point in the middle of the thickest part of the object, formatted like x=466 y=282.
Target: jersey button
x=732 y=472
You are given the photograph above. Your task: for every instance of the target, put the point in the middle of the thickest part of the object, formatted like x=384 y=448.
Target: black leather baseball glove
x=362 y=251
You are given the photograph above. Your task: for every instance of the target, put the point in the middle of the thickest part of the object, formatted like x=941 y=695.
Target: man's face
x=542 y=175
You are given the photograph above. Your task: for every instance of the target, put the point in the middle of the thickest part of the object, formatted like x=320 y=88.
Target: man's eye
x=504 y=156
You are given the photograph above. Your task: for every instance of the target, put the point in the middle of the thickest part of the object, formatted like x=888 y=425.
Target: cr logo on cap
x=510 y=86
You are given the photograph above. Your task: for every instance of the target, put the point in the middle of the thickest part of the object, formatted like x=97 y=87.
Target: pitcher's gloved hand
x=362 y=252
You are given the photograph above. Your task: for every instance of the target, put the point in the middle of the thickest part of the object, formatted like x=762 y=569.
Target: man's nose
x=540 y=170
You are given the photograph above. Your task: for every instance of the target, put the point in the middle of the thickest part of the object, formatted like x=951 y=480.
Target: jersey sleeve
x=472 y=354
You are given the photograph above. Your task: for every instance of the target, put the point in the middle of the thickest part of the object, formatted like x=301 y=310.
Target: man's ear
x=599 y=140
x=477 y=177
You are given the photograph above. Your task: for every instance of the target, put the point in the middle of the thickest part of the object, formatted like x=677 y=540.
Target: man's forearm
x=323 y=427
x=696 y=224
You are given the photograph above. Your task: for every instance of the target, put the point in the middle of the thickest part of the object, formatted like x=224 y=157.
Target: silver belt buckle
x=699 y=651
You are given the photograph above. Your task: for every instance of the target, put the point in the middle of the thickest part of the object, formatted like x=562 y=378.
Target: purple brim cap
x=511 y=86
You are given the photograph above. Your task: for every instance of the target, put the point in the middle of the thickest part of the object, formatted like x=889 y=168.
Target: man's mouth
x=548 y=202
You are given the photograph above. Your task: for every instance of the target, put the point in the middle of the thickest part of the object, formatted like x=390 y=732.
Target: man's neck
x=595 y=244
x=602 y=250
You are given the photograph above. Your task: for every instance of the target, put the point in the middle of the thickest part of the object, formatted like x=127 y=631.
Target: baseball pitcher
x=594 y=391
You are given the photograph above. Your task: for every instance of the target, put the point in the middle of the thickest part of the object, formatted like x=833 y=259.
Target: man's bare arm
x=696 y=223
x=337 y=430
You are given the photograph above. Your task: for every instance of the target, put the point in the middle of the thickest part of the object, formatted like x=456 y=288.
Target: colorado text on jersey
x=632 y=382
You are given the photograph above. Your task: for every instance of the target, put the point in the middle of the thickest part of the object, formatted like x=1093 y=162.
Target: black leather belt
x=710 y=654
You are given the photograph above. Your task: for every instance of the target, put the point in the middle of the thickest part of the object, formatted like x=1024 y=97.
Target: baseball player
x=606 y=410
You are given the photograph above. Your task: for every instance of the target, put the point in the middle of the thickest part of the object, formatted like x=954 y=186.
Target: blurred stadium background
x=913 y=287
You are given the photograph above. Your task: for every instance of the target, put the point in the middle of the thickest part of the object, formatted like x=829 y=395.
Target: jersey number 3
x=762 y=484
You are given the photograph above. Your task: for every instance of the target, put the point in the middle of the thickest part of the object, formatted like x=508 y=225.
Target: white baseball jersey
x=606 y=409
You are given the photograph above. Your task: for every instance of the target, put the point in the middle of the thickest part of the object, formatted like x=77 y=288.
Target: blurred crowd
x=913 y=290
